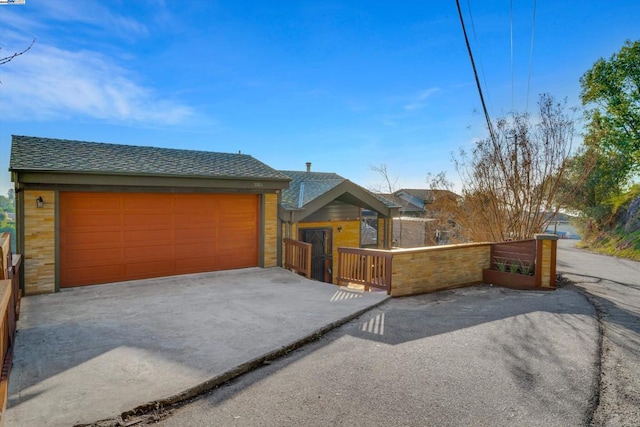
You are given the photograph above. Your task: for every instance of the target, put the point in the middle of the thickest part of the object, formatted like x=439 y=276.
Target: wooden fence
x=297 y=256
x=9 y=311
x=368 y=267
x=520 y=251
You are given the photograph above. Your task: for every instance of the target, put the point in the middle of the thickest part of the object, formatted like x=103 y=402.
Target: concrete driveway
x=92 y=353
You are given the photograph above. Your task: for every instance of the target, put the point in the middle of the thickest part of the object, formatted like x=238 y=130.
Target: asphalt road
x=480 y=356
x=614 y=287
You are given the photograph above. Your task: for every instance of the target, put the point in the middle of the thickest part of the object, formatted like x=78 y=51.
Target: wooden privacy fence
x=524 y=264
x=368 y=267
x=297 y=256
x=522 y=252
x=9 y=311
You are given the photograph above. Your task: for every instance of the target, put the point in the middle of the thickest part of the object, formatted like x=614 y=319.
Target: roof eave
x=368 y=200
x=41 y=177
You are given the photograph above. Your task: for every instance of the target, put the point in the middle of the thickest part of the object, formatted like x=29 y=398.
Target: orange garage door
x=112 y=237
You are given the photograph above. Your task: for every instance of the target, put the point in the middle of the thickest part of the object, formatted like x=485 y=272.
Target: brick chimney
x=308 y=166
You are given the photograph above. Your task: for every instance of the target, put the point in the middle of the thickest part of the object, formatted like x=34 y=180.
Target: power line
x=475 y=73
x=475 y=39
x=511 y=42
x=533 y=26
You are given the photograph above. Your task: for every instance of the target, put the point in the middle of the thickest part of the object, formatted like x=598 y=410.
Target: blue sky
x=342 y=84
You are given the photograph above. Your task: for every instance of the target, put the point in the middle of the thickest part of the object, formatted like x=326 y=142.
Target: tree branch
x=9 y=58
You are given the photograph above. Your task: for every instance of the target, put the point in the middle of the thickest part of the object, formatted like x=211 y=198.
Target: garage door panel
x=197 y=265
x=190 y=222
x=148 y=238
x=92 y=220
x=97 y=202
x=158 y=251
x=242 y=260
x=244 y=235
x=142 y=270
x=195 y=235
x=195 y=205
x=145 y=221
x=95 y=240
x=96 y=274
x=194 y=250
x=136 y=202
x=93 y=257
x=110 y=237
x=234 y=249
x=232 y=204
x=242 y=213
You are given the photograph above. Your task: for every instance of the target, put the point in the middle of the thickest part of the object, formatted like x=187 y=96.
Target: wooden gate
x=321 y=252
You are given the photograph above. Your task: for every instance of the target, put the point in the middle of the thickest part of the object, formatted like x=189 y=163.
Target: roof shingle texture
x=315 y=184
x=62 y=155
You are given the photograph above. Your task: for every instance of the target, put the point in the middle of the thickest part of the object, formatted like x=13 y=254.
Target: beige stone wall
x=271 y=230
x=418 y=271
x=39 y=243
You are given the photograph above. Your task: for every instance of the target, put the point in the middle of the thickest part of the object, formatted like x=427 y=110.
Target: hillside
x=622 y=237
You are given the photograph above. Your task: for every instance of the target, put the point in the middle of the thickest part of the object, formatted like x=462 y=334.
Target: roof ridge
x=74 y=156
x=114 y=144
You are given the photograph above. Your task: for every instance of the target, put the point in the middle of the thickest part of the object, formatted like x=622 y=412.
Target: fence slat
x=9 y=307
x=297 y=256
x=521 y=250
x=366 y=267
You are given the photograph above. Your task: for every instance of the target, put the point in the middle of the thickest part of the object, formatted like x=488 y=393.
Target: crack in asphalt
x=594 y=401
x=599 y=279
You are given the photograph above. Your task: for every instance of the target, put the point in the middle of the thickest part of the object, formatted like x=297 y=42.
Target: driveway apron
x=91 y=353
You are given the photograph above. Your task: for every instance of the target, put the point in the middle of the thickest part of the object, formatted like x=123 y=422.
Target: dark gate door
x=321 y=252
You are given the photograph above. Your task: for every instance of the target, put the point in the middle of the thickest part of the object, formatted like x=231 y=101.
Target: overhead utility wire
x=475 y=73
x=511 y=42
x=475 y=39
x=533 y=26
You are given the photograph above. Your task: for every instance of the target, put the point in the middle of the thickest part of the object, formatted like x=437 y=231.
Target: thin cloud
x=53 y=83
x=95 y=14
x=389 y=122
x=419 y=99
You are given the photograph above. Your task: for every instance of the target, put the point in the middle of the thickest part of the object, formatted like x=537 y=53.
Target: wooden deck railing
x=9 y=309
x=367 y=267
x=297 y=256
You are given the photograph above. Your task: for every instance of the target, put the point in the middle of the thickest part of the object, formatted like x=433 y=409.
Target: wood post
x=546 y=250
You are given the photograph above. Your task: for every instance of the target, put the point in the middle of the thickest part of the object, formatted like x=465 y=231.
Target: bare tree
x=15 y=54
x=444 y=209
x=389 y=183
x=510 y=181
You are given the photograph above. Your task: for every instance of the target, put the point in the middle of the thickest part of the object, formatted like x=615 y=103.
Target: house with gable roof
x=325 y=209
x=89 y=213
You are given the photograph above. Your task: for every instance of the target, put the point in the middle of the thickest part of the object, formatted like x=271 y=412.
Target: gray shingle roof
x=307 y=186
x=61 y=155
x=313 y=184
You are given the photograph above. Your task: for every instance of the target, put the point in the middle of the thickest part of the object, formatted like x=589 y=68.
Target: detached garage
x=91 y=213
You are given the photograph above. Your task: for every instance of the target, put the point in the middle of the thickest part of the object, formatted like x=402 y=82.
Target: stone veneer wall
x=270 y=230
x=422 y=270
x=39 y=243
